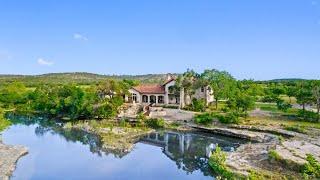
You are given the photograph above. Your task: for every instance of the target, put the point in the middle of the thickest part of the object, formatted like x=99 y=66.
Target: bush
x=4 y=123
x=270 y=98
x=205 y=118
x=197 y=105
x=229 y=118
x=274 y=156
x=283 y=106
x=155 y=123
x=217 y=162
x=141 y=117
x=308 y=115
x=311 y=170
x=296 y=128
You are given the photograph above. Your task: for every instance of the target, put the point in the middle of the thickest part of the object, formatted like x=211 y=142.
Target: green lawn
x=272 y=107
x=273 y=122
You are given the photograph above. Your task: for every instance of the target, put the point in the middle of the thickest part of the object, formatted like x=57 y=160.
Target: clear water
x=55 y=153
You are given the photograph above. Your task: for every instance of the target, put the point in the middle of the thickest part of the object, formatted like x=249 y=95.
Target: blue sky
x=260 y=39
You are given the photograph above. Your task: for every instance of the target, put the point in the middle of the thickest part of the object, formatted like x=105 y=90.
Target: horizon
x=57 y=73
x=250 y=40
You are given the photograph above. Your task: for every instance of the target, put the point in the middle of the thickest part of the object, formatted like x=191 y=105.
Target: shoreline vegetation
x=280 y=118
x=9 y=155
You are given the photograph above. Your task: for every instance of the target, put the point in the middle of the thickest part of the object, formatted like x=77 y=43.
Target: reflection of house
x=190 y=151
x=165 y=94
x=176 y=143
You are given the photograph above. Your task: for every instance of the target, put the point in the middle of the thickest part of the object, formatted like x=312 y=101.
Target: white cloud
x=81 y=37
x=44 y=62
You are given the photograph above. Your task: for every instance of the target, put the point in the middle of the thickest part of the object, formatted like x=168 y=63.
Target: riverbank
x=9 y=155
x=290 y=148
x=119 y=138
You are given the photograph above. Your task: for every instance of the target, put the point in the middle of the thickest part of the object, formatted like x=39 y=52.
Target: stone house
x=165 y=95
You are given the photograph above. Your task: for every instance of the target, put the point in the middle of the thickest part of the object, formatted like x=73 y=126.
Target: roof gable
x=150 y=89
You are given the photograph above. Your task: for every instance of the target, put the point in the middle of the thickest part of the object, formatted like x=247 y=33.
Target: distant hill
x=286 y=80
x=78 y=77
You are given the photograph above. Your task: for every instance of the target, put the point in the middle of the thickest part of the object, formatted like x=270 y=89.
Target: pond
x=57 y=153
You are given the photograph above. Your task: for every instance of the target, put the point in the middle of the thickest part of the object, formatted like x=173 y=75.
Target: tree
x=304 y=94
x=291 y=91
x=242 y=102
x=316 y=96
x=283 y=106
x=13 y=94
x=187 y=84
x=221 y=82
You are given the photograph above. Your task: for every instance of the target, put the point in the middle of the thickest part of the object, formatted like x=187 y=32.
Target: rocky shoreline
x=9 y=155
x=249 y=157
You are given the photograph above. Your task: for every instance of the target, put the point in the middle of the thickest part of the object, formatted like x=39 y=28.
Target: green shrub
x=171 y=106
x=296 y=128
x=311 y=170
x=4 y=123
x=283 y=106
x=155 y=123
x=274 y=156
x=123 y=122
x=197 y=105
x=217 y=162
x=229 y=118
x=141 y=117
x=270 y=98
x=254 y=175
x=308 y=115
x=205 y=118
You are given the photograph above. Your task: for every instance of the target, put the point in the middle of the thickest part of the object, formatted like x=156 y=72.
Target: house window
x=153 y=99
x=202 y=89
x=160 y=99
x=144 y=98
x=134 y=97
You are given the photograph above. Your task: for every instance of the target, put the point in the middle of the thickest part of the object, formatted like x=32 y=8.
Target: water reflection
x=188 y=150
x=45 y=125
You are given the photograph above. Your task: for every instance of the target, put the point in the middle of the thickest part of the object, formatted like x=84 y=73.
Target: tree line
x=240 y=96
x=101 y=100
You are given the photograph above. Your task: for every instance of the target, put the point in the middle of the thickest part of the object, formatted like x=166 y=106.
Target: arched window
x=153 y=99
x=145 y=99
x=160 y=99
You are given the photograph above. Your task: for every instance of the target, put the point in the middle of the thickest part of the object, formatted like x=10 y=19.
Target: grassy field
x=287 y=99
x=272 y=122
x=272 y=107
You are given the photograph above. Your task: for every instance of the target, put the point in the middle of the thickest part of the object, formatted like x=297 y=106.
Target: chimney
x=169 y=77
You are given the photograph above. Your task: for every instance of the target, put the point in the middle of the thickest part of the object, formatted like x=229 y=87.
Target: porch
x=153 y=99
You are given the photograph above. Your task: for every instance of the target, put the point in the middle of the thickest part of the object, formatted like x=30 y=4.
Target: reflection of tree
x=40 y=130
x=192 y=158
x=190 y=151
x=45 y=125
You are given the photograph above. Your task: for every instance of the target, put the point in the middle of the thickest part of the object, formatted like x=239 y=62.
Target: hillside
x=77 y=77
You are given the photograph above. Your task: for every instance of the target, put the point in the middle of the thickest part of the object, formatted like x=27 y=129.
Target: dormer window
x=202 y=89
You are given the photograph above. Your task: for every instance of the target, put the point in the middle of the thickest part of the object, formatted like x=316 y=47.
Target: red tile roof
x=150 y=89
